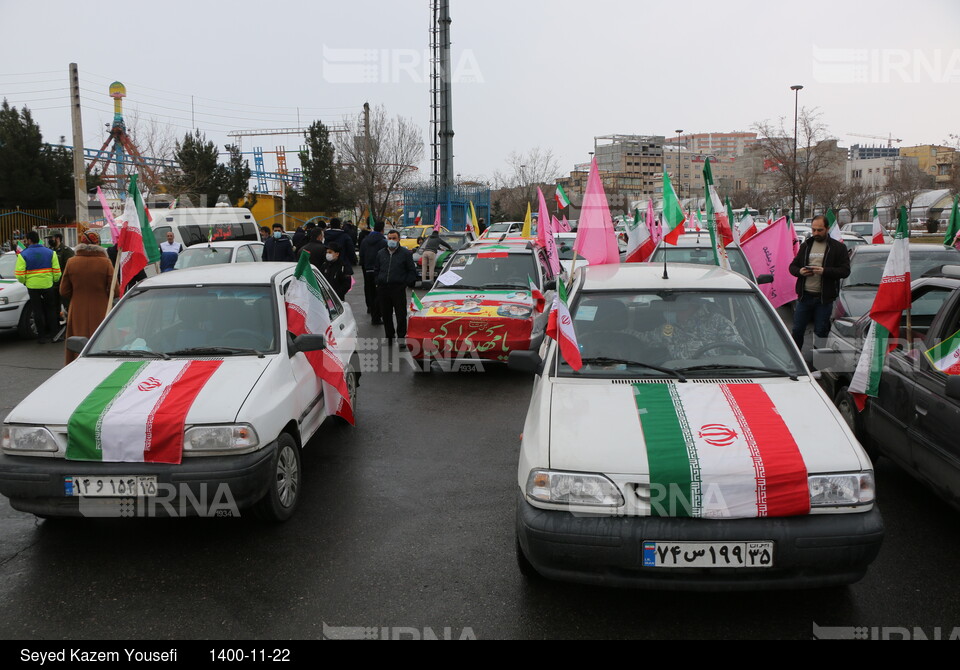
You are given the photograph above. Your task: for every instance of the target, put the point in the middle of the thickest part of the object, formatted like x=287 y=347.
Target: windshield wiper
x=861 y=284
x=719 y=366
x=131 y=352
x=227 y=351
x=603 y=360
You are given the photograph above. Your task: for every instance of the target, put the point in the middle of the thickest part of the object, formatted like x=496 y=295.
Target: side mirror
x=308 y=342
x=764 y=279
x=953 y=387
x=76 y=343
x=550 y=285
x=525 y=361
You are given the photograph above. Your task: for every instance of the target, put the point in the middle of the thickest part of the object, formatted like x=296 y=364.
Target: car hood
x=595 y=425
x=13 y=290
x=219 y=401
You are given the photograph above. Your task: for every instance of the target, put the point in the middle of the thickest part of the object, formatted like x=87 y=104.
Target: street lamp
x=679 y=182
x=796 y=107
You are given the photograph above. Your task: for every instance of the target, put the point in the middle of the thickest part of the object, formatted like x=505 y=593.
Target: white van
x=193 y=225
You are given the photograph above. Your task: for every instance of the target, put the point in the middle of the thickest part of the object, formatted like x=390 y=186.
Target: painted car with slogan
x=194 y=397
x=482 y=306
x=692 y=449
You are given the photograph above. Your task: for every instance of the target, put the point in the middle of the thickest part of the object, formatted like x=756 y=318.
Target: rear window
x=218 y=232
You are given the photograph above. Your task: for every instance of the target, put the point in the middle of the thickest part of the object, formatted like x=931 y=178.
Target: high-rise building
x=859 y=152
x=718 y=144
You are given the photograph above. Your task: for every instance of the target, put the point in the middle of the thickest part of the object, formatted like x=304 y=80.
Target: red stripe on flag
x=166 y=423
x=782 y=488
x=330 y=370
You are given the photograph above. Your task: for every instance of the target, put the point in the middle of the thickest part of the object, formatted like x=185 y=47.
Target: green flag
x=150 y=247
x=953 y=227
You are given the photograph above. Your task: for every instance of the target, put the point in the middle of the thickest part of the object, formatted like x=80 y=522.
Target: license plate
x=707 y=554
x=110 y=487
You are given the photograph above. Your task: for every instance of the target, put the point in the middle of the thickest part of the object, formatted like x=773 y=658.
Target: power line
x=42 y=90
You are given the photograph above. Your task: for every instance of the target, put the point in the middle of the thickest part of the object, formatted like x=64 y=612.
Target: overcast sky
x=529 y=73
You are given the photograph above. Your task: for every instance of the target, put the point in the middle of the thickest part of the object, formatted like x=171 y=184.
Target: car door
x=934 y=444
x=244 y=255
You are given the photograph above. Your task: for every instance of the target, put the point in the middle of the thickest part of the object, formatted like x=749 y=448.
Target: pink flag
x=436 y=220
x=550 y=243
x=108 y=215
x=596 y=238
x=770 y=252
x=564 y=225
x=651 y=223
x=543 y=219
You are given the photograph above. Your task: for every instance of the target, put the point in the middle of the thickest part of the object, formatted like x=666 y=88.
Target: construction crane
x=890 y=138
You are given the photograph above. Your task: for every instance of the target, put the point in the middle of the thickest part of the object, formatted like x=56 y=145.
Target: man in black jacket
x=335 y=234
x=372 y=243
x=395 y=271
x=819 y=266
x=278 y=247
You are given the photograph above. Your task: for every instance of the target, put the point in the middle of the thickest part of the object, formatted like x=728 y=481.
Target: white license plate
x=707 y=554
x=130 y=486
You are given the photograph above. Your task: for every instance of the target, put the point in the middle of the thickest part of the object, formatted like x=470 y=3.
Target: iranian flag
x=672 y=217
x=833 y=226
x=953 y=227
x=714 y=217
x=945 y=357
x=893 y=296
x=137 y=246
x=560 y=328
x=718 y=216
x=416 y=221
x=562 y=200
x=640 y=243
x=539 y=301
x=138 y=412
x=747 y=227
x=720 y=451
x=876 y=236
x=307 y=313
x=415 y=304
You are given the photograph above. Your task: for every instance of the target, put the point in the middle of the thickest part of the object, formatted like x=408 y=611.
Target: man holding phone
x=819 y=266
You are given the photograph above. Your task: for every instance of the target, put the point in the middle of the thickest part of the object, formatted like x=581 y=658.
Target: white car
x=695 y=248
x=216 y=253
x=192 y=391
x=565 y=242
x=692 y=450
x=14 y=300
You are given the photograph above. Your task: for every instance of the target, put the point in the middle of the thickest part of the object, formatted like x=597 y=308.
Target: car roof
x=691 y=240
x=232 y=273
x=223 y=244
x=649 y=276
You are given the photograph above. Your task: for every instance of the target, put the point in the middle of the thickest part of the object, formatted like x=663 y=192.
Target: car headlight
x=220 y=438
x=573 y=488
x=842 y=489
x=28 y=438
x=4 y=300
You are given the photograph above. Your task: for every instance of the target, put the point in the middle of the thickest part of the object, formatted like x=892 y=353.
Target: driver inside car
x=688 y=323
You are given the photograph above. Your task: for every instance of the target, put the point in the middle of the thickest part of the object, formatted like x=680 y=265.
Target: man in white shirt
x=169 y=251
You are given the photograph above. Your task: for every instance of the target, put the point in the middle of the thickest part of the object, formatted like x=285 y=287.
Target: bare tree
x=826 y=192
x=857 y=198
x=154 y=139
x=759 y=197
x=903 y=186
x=816 y=153
x=517 y=184
x=379 y=165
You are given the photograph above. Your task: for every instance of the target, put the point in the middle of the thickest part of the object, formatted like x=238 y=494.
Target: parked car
x=866 y=269
x=14 y=300
x=456 y=241
x=696 y=248
x=865 y=230
x=692 y=449
x=852 y=241
x=412 y=237
x=191 y=385
x=217 y=253
x=915 y=418
x=482 y=306
x=503 y=228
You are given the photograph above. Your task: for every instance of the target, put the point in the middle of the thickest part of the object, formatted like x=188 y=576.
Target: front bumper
x=194 y=487
x=10 y=314
x=809 y=552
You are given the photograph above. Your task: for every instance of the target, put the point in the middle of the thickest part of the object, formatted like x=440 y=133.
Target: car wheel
x=848 y=410
x=283 y=492
x=26 y=327
x=353 y=384
x=526 y=567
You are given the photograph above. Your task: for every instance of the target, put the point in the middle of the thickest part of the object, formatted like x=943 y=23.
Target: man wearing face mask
x=278 y=247
x=394 y=270
x=335 y=271
x=688 y=325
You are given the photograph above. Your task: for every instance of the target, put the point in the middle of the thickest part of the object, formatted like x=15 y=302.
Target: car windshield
x=860 y=228
x=178 y=319
x=412 y=233
x=493 y=268
x=867 y=269
x=8 y=263
x=727 y=334
x=203 y=255
x=565 y=247
x=704 y=256
x=455 y=240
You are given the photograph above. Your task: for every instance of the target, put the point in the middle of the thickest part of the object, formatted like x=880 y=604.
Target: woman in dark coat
x=86 y=282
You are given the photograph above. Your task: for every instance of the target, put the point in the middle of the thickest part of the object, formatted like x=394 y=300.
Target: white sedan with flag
x=675 y=439
x=194 y=397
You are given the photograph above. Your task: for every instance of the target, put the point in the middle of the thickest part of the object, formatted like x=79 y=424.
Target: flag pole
x=116 y=273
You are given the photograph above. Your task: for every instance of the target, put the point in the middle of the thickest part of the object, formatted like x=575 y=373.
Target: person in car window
x=689 y=324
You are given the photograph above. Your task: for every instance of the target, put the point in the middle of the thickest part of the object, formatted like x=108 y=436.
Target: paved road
x=407 y=522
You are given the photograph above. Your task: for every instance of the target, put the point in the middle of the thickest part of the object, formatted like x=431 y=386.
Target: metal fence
x=44 y=221
x=454 y=205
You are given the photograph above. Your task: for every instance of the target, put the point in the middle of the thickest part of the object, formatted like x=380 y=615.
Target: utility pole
x=79 y=169
x=369 y=177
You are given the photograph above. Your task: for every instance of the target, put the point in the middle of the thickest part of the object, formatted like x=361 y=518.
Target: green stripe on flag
x=670 y=450
x=83 y=428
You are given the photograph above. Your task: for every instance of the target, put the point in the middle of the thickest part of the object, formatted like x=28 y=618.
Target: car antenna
x=660 y=230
